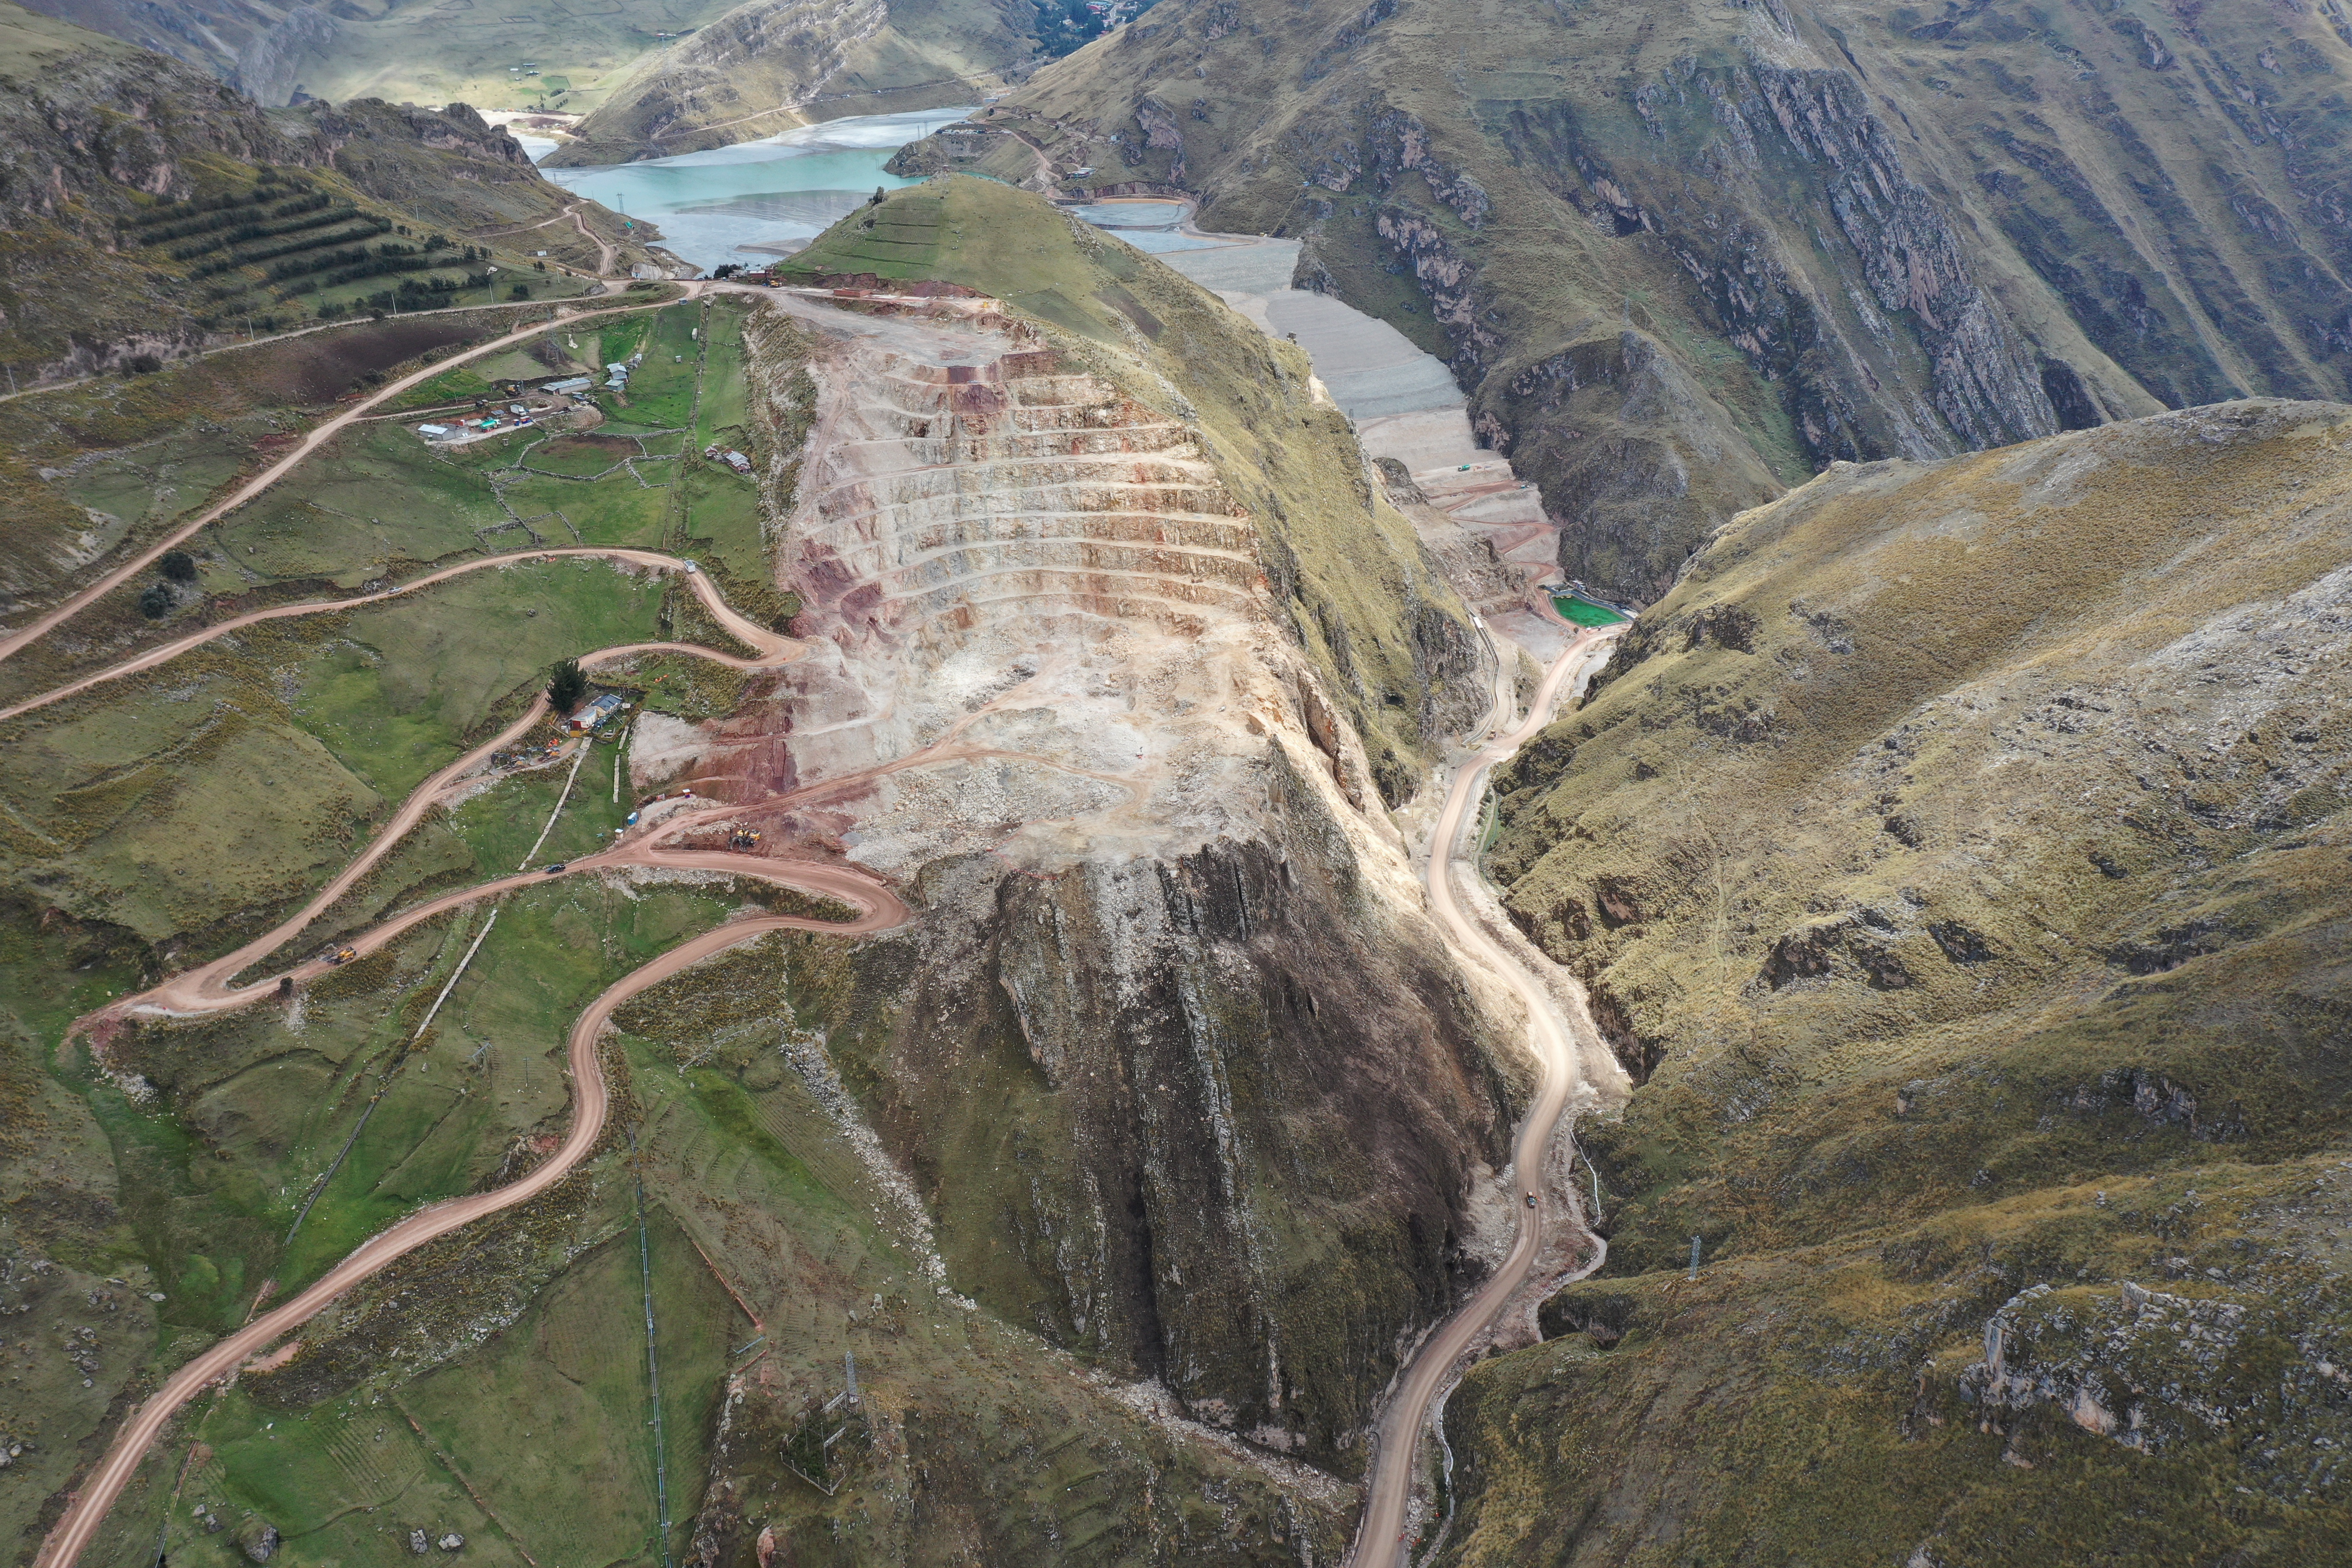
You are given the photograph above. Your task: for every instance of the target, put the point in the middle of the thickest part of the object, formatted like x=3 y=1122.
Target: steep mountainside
x=1188 y=1070
x=1129 y=1167
x=770 y=64
x=1683 y=254
x=398 y=50
x=150 y=209
x=1959 y=853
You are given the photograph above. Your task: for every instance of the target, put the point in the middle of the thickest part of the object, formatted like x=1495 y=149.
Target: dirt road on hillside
x=1379 y=1536
x=300 y=452
x=881 y=910
x=752 y=634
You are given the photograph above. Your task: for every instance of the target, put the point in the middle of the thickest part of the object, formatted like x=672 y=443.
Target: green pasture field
x=662 y=389
x=573 y=1374
x=722 y=521
x=459 y=385
x=623 y=421
x=581 y=457
x=402 y=685
x=618 y=509
x=500 y=825
x=722 y=411
x=614 y=339
x=377 y=497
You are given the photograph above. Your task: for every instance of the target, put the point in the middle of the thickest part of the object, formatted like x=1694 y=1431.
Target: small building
x=595 y=712
x=435 y=432
x=737 y=462
x=571 y=384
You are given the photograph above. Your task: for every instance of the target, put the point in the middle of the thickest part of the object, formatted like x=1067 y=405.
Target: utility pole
x=1694 y=1268
x=849 y=1364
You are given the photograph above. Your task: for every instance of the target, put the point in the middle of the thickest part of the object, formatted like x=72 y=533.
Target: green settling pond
x=1584 y=611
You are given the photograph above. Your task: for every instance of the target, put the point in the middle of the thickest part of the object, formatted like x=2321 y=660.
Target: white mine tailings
x=1405 y=406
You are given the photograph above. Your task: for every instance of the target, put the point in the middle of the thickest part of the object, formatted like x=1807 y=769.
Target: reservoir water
x=756 y=200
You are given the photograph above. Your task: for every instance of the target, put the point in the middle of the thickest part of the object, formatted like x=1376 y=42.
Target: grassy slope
x=117 y=147
x=192 y=1194
x=1958 y=851
x=1680 y=254
x=176 y=812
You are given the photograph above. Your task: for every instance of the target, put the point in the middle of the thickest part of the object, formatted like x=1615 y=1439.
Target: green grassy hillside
x=1683 y=254
x=151 y=211
x=1958 y=856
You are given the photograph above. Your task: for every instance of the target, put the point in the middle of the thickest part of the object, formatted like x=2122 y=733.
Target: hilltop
x=1685 y=256
x=770 y=64
x=1130 y=1159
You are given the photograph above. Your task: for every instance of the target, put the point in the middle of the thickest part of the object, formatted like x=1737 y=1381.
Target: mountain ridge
x=1644 y=236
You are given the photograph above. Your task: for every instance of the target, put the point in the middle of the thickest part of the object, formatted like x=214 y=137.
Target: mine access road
x=1388 y=1493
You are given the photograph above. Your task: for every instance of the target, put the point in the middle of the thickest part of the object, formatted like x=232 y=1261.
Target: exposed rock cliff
x=1838 y=230
x=1123 y=660
x=1958 y=852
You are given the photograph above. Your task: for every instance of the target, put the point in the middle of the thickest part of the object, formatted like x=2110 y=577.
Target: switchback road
x=317 y=435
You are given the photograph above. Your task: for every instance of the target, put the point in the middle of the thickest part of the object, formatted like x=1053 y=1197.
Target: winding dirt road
x=773 y=647
x=297 y=455
x=880 y=912
x=1380 y=1534
x=212 y=988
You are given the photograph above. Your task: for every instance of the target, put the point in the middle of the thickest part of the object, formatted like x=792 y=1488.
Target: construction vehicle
x=340 y=955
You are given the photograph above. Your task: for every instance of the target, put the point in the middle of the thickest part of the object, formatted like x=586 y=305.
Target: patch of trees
x=412 y=294
x=353 y=263
x=251 y=231
x=158 y=227
x=368 y=226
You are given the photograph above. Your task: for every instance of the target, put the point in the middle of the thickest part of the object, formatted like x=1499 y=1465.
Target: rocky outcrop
x=269 y=69
x=1858 y=232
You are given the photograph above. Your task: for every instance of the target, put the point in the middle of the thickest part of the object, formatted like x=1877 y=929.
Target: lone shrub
x=156 y=602
x=178 y=565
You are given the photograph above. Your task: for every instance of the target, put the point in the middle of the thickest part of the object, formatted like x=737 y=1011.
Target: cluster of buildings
x=735 y=460
x=513 y=417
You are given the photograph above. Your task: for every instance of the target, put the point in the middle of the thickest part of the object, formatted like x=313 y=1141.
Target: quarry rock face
x=1167 y=931
x=1849 y=232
